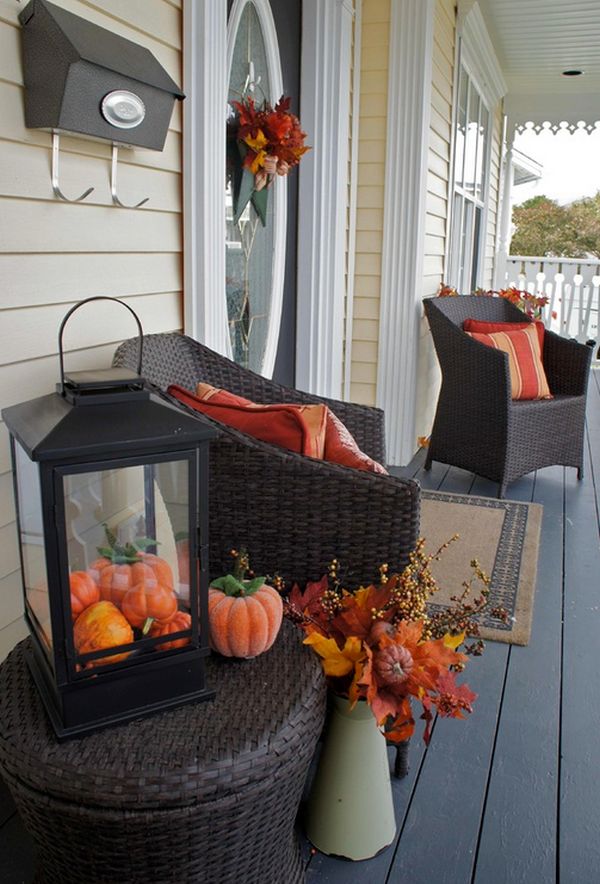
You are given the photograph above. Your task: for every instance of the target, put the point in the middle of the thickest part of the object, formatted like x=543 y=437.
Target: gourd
x=393 y=665
x=379 y=629
x=178 y=623
x=84 y=592
x=149 y=601
x=244 y=615
x=101 y=626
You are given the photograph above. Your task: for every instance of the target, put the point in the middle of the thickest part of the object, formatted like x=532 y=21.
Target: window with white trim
x=471 y=148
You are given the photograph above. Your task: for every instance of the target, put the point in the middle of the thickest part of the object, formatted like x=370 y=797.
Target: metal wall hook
x=55 y=174
x=113 y=183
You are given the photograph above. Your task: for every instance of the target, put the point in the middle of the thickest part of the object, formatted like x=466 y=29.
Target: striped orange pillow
x=527 y=376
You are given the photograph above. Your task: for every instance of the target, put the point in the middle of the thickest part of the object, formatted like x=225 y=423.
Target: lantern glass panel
x=33 y=551
x=127 y=531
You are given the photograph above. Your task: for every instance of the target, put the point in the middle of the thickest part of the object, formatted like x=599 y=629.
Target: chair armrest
x=567 y=364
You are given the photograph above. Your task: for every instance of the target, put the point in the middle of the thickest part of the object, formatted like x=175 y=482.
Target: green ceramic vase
x=350 y=811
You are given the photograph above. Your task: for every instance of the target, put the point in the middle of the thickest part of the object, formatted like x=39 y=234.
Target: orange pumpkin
x=117 y=557
x=149 y=600
x=161 y=568
x=245 y=625
x=117 y=580
x=96 y=567
x=84 y=592
x=101 y=626
x=178 y=623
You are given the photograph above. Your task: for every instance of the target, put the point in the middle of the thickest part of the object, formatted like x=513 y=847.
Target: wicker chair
x=293 y=513
x=477 y=425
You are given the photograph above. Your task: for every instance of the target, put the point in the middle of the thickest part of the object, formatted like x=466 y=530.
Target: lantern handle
x=68 y=315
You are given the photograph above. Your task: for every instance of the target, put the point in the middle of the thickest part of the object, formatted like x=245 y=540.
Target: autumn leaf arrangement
x=271 y=139
x=531 y=305
x=378 y=644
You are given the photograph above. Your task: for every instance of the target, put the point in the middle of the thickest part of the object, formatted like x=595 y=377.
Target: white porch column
x=205 y=85
x=325 y=109
x=505 y=215
x=409 y=109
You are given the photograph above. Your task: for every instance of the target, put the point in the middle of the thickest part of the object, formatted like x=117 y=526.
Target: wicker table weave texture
x=205 y=793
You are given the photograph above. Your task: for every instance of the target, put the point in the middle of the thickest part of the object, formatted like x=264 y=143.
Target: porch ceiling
x=538 y=39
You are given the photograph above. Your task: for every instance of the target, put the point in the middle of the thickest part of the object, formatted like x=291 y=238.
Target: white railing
x=572 y=286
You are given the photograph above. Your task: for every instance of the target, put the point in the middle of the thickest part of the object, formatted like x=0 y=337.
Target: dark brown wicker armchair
x=477 y=425
x=293 y=513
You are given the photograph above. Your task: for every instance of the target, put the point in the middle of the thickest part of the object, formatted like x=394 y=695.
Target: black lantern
x=111 y=485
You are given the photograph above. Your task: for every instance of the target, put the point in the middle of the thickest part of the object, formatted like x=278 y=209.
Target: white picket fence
x=572 y=286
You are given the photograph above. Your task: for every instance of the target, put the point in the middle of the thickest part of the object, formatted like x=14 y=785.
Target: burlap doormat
x=504 y=536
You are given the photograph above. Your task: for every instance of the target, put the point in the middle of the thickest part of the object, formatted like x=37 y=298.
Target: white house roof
x=525 y=168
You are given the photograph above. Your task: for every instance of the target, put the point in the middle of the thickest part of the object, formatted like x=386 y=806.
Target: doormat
x=504 y=536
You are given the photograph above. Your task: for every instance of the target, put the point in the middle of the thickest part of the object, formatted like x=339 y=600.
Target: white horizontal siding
x=54 y=226
x=10 y=635
x=64 y=278
x=94 y=322
x=24 y=175
x=53 y=254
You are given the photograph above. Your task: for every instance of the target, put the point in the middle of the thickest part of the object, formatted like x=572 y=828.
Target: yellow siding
x=438 y=183
x=53 y=254
x=370 y=196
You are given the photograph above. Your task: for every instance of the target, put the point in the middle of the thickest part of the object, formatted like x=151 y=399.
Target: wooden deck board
x=579 y=820
x=518 y=837
x=440 y=834
x=457 y=765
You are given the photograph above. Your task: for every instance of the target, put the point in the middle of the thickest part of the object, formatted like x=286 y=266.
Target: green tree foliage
x=585 y=214
x=544 y=228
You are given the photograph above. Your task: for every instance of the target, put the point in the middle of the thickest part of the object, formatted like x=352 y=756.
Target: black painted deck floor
x=512 y=795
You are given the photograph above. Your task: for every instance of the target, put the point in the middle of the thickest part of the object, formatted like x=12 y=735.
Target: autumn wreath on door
x=262 y=141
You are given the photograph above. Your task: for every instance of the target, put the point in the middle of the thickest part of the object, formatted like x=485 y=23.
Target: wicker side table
x=207 y=793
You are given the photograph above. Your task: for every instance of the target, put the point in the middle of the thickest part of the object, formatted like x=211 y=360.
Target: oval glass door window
x=255 y=254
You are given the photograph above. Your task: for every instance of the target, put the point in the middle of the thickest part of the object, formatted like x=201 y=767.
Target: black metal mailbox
x=85 y=79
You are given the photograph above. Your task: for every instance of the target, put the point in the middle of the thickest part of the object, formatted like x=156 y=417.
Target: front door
x=263 y=63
